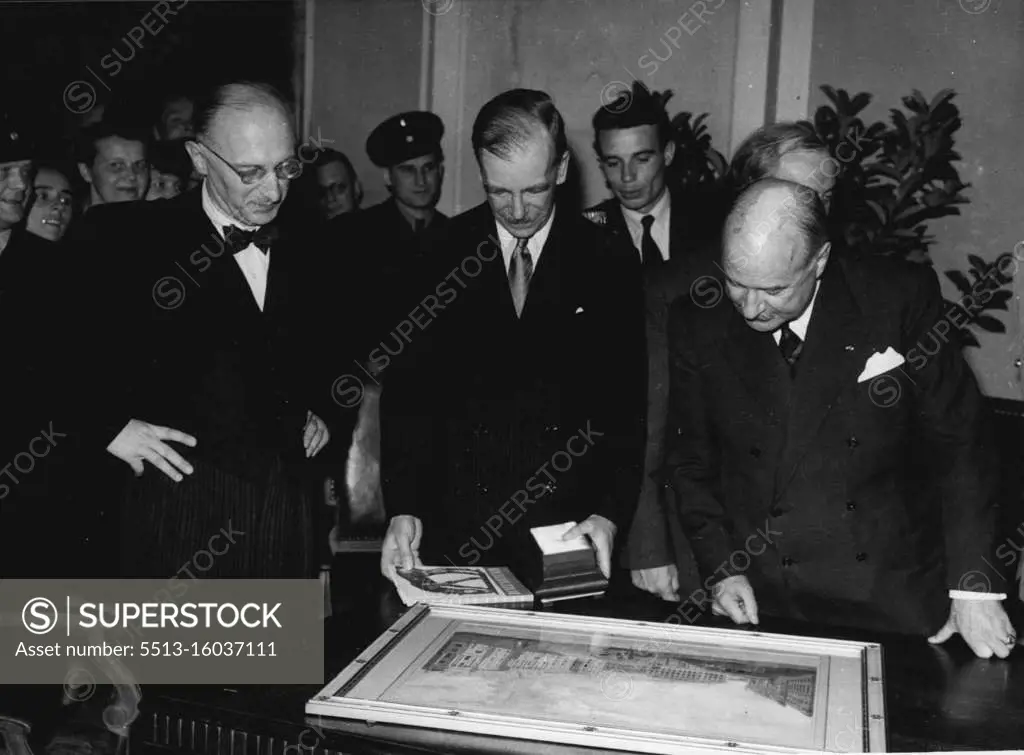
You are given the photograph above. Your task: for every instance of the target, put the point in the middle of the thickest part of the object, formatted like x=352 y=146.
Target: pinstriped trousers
x=216 y=525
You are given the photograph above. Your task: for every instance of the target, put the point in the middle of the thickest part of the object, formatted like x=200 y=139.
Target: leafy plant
x=698 y=172
x=896 y=178
x=985 y=290
x=696 y=165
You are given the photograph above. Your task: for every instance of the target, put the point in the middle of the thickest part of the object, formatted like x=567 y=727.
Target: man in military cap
x=35 y=530
x=16 y=174
x=388 y=244
x=388 y=250
x=408 y=148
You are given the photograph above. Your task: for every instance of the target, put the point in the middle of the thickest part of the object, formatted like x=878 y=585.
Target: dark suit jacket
x=656 y=537
x=807 y=486
x=392 y=264
x=505 y=400
x=179 y=339
x=45 y=529
x=30 y=270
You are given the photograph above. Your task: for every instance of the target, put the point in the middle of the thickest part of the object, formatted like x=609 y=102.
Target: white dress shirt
x=533 y=247
x=662 y=212
x=255 y=265
x=799 y=327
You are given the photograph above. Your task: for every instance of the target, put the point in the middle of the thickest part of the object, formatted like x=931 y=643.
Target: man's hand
x=315 y=434
x=734 y=597
x=140 y=441
x=401 y=549
x=984 y=626
x=602 y=534
x=663 y=581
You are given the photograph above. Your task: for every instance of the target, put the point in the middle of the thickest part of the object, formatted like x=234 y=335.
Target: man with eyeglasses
x=339 y=188
x=210 y=378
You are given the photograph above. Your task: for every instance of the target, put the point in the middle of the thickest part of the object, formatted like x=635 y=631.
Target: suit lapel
x=494 y=279
x=278 y=288
x=678 y=227
x=285 y=273
x=615 y=222
x=759 y=365
x=546 y=284
x=222 y=284
x=828 y=363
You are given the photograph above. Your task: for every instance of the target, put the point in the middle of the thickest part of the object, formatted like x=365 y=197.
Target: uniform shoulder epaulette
x=598 y=217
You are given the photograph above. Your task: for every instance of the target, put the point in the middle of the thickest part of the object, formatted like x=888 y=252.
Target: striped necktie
x=520 y=270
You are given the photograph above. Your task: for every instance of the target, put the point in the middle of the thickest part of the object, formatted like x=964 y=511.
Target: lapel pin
x=850 y=347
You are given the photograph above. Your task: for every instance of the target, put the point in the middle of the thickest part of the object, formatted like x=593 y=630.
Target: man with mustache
x=530 y=410
x=113 y=162
x=209 y=391
x=795 y=418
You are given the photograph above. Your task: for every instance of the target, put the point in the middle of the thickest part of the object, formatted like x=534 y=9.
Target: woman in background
x=170 y=170
x=53 y=202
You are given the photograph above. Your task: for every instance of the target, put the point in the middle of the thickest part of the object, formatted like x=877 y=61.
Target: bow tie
x=235 y=239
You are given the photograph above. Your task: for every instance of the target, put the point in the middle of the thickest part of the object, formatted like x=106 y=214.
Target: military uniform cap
x=404 y=137
x=15 y=144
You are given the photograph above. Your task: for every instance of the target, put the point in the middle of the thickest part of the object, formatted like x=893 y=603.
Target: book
x=460 y=585
x=567 y=569
x=549 y=539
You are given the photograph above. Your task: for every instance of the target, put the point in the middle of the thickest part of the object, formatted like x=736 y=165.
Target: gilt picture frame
x=613 y=684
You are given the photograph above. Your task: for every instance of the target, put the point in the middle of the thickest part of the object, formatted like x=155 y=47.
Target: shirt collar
x=534 y=246
x=217 y=216
x=659 y=211
x=799 y=325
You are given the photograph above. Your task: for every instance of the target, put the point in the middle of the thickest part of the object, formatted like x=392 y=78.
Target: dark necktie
x=790 y=345
x=235 y=239
x=421 y=226
x=648 y=247
x=520 y=270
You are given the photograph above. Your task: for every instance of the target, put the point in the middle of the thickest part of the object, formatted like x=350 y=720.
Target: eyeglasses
x=287 y=170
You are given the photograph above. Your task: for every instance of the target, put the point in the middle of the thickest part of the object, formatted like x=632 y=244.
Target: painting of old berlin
x=669 y=690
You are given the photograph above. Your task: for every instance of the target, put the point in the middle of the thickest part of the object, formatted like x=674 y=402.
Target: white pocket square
x=579 y=310
x=879 y=363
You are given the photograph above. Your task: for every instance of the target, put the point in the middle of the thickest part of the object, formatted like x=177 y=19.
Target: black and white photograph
x=356 y=296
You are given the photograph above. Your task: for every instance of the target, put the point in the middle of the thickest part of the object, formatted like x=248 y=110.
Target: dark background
x=48 y=45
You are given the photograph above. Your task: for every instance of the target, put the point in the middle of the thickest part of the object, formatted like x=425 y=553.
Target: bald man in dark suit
x=795 y=413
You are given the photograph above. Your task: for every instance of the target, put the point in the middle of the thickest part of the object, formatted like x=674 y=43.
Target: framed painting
x=613 y=684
